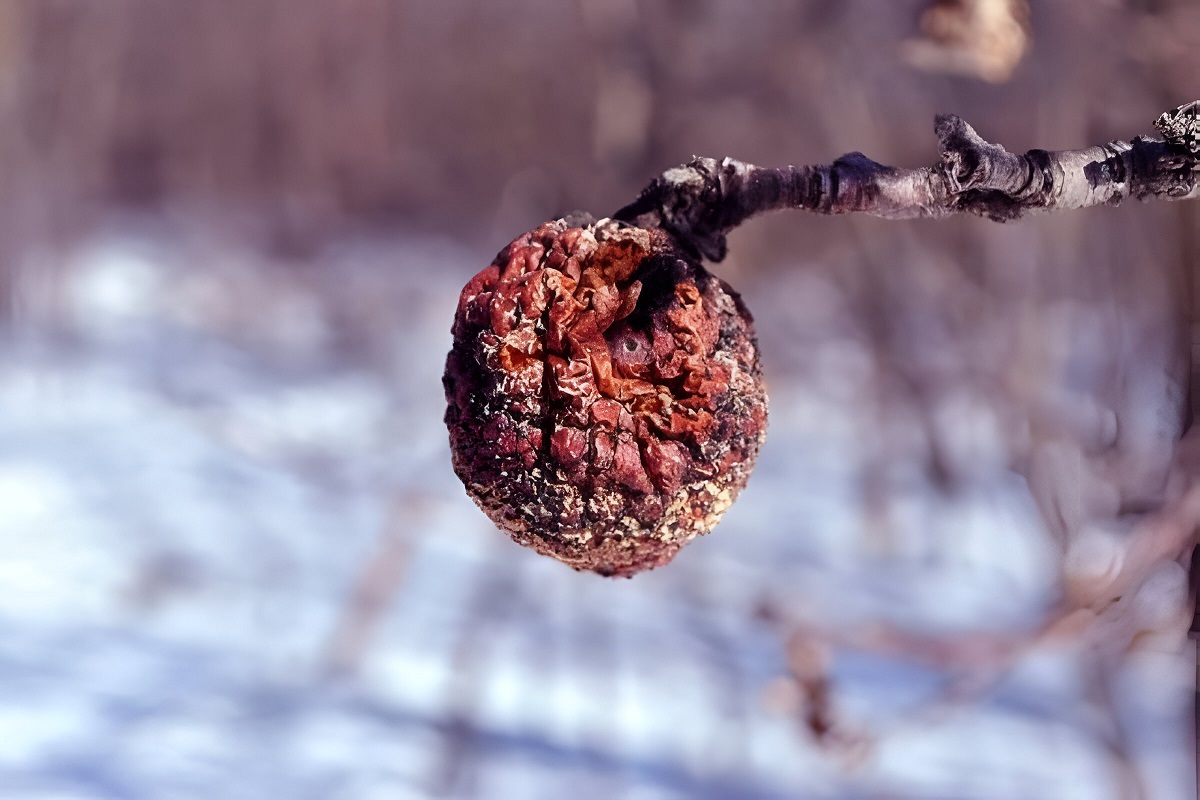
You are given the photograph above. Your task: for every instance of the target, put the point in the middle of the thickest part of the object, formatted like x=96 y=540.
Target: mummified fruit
x=605 y=400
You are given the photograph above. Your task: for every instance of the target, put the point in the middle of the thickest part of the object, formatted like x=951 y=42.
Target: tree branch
x=701 y=201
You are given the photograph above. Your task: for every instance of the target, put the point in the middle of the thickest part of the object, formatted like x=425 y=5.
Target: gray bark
x=701 y=201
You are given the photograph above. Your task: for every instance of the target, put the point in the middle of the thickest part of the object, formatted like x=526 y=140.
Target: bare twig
x=701 y=201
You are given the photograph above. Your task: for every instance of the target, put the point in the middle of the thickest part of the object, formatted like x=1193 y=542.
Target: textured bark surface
x=605 y=402
x=701 y=201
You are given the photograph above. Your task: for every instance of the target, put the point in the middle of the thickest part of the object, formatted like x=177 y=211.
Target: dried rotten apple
x=605 y=401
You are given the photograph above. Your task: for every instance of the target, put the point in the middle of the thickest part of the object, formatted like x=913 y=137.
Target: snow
x=198 y=467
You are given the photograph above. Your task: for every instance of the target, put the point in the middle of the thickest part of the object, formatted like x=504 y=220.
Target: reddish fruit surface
x=605 y=400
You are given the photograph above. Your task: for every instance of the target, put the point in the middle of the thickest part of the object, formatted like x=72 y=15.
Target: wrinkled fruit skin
x=605 y=400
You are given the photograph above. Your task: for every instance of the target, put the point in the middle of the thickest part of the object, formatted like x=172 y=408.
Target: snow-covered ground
x=216 y=469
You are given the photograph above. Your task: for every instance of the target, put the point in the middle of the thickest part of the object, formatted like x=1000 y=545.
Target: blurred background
x=236 y=563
